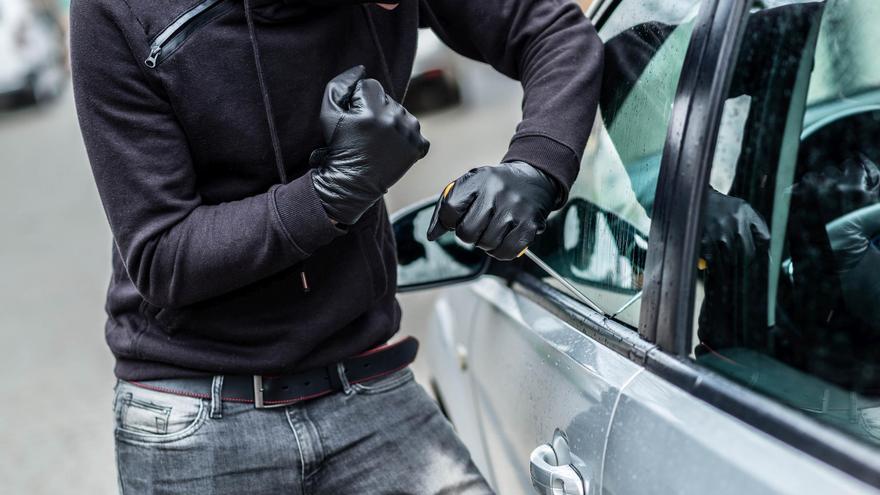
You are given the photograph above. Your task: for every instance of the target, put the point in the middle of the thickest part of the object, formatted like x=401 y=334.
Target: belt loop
x=343 y=378
x=217 y=397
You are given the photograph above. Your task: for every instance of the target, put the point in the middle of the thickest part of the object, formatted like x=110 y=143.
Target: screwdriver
x=544 y=266
x=702 y=265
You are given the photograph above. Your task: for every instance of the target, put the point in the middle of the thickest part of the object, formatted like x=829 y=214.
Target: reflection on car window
x=788 y=297
x=420 y=262
x=599 y=240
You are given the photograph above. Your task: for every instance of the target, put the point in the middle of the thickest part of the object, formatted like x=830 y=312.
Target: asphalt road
x=56 y=374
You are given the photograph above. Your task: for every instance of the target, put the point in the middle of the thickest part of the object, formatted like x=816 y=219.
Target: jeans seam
x=302 y=457
x=118 y=469
x=318 y=446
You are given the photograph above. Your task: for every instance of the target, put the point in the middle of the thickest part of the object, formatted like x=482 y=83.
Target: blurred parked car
x=722 y=376
x=435 y=80
x=32 y=51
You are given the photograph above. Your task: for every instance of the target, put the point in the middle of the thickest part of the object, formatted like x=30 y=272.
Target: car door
x=764 y=380
x=545 y=386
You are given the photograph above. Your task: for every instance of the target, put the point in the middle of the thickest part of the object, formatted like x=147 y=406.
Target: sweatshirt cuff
x=549 y=156
x=302 y=215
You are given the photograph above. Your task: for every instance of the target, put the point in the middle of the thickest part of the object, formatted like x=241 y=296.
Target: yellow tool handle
x=448 y=189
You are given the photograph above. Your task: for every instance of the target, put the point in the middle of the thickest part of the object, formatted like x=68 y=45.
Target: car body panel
x=664 y=440
x=449 y=332
x=526 y=372
x=532 y=373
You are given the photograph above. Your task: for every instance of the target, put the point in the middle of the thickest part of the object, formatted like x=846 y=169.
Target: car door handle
x=553 y=471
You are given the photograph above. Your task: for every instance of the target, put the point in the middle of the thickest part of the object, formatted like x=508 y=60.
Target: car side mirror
x=422 y=264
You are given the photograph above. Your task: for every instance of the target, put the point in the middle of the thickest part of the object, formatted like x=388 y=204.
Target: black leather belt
x=283 y=390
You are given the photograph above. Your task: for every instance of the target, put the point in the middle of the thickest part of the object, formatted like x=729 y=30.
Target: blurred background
x=56 y=374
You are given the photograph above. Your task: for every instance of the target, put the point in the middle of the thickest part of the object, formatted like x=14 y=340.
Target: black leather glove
x=853 y=239
x=500 y=209
x=840 y=189
x=372 y=141
x=734 y=232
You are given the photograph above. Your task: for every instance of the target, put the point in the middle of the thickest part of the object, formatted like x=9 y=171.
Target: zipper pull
x=155 y=51
x=305 y=282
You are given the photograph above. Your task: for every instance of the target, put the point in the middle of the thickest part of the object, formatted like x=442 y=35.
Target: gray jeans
x=380 y=437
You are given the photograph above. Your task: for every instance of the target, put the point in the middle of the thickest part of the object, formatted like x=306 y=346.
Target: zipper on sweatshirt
x=170 y=38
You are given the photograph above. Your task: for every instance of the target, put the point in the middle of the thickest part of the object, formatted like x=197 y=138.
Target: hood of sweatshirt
x=278 y=10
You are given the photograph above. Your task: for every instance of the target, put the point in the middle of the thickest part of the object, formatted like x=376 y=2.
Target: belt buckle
x=259 y=403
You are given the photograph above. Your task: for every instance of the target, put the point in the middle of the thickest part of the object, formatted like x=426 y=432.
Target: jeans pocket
x=149 y=416
x=385 y=383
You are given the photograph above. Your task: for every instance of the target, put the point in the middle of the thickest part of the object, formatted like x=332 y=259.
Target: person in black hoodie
x=241 y=149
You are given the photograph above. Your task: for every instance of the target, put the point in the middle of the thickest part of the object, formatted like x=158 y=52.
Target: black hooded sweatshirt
x=199 y=118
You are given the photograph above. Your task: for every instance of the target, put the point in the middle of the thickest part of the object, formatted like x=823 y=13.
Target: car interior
x=784 y=324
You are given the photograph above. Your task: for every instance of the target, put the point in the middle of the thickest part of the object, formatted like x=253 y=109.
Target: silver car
x=33 y=66
x=627 y=356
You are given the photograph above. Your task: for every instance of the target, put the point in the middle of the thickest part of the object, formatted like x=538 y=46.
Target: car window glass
x=598 y=241
x=788 y=296
x=632 y=13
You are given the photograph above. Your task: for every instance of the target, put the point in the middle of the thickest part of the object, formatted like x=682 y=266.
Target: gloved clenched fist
x=372 y=141
x=500 y=209
x=734 y=233
x=839 y=189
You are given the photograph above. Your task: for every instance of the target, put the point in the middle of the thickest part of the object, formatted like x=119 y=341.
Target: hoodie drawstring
x=389 y=85
x=270 y=118
x=267 y=104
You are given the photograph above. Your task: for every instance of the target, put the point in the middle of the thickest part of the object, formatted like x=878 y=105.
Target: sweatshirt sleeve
x=176 y=249
x=553 y=50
